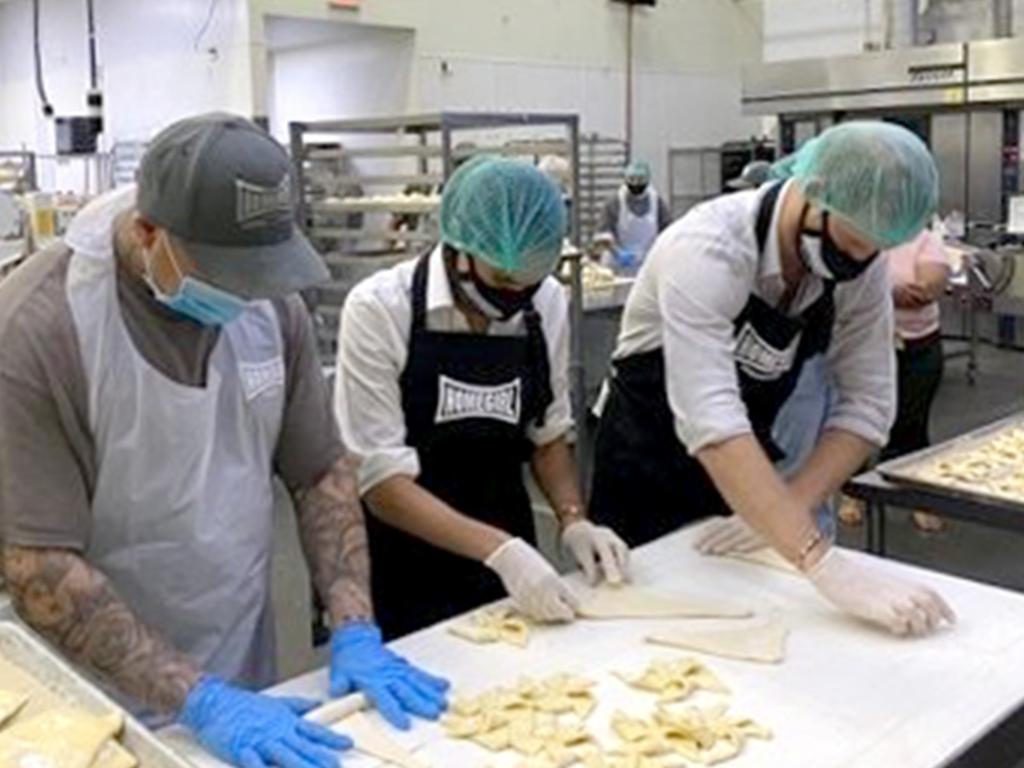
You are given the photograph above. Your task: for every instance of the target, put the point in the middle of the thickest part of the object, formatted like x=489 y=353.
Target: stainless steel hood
x=941 y=76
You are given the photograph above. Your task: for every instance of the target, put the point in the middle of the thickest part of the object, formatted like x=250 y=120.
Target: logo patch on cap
x=257 y=206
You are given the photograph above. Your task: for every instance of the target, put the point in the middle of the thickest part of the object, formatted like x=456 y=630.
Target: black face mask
x=637 y=189
x=826 y=259
x=494 y=303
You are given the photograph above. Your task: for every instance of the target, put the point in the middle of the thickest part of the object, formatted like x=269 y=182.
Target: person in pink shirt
x=918 y=272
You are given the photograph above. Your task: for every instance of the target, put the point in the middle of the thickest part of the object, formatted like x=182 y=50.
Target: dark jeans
x=920 y=373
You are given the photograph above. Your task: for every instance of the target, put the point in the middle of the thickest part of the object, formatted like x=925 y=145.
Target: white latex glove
x=730 y=534
x=598 y=551
x=902 y=607
x=532 y=583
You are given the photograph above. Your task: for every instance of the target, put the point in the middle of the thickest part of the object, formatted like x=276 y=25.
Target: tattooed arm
x=74 y=606
x=333 y=534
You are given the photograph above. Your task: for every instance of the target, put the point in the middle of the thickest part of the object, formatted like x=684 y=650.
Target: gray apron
x=182 y=512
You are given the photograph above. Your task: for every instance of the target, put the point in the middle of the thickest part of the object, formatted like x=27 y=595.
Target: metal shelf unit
x=602 y=163
x=694 y=175
x=18 y=172
x=369 y=189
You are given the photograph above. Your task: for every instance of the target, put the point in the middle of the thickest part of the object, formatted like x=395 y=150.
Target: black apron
x=645 y=484
x=468 y=399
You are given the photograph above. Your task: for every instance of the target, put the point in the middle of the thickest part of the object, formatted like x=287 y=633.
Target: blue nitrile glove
x=256 y=731
x=626 y=261
x=361 y=662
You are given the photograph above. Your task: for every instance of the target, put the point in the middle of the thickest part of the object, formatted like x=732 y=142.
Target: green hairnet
x=878 y=177
x=638 y=169
x=506 y=213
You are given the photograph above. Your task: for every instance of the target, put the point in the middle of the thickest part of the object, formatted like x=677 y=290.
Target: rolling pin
x=339 y=709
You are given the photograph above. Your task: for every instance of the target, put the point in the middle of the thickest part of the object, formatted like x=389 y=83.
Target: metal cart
x=369 y=189
x=893 y=484
x=602 y=163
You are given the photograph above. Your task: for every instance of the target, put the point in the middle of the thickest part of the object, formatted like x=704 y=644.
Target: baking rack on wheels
x=602 y=163
x=370 y=189
x=977 y=477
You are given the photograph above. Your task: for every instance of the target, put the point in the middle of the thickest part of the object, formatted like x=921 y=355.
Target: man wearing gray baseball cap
x=157 y=369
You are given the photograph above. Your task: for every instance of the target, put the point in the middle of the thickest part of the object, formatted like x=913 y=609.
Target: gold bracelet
x=570 y=514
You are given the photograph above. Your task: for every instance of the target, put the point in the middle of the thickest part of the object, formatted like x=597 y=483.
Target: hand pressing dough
x=10 y=704
x=494 y=625
x=765 y=643
x=638 y=603
x=58 y=738
x=767 y=557
x=113 y=755
x=373 y=741
x=675 y=680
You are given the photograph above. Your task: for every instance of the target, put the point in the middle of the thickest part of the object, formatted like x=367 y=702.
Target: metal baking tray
x=906 y=470
x=56 y=675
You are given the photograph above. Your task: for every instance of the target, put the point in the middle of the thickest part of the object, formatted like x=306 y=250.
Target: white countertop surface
x=846 y=695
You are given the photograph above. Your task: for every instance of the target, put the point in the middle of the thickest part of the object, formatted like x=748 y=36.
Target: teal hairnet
x=878 y=177
x=639 y=170
x=506 y=213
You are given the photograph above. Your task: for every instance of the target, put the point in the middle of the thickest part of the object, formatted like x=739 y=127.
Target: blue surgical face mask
x=199 y=301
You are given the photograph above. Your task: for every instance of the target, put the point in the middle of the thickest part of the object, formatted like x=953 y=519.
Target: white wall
x=532 y=55
x=559 y=56
x=341 y=72
x=153 y=69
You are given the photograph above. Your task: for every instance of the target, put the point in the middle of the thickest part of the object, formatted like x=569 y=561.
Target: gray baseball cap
x=754 y=174
x=224 y=188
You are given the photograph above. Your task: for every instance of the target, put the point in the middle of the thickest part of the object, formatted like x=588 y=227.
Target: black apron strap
x=419 y=293
x=765 y=213
x=540 y=364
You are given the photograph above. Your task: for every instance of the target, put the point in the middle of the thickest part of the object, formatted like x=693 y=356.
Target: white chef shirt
x=373 y=345
x=696 y=281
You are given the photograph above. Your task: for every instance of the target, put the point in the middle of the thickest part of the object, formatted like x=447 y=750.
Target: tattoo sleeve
x=74 y=606
x=333 y=534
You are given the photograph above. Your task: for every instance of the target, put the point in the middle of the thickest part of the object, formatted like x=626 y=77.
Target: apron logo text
x=258 y=378
x=759 y=359
x=458 y=400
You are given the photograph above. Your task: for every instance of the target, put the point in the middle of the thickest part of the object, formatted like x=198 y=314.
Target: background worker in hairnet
x=159 y=370
x=633 y=218
x=452 y=373
x=732 y=301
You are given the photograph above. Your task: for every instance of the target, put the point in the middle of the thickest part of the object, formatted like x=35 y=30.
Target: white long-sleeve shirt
x=697 y=279
x=373 y=346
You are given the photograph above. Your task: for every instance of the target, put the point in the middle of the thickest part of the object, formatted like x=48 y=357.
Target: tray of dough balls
x=983 y=465
x=51 y=717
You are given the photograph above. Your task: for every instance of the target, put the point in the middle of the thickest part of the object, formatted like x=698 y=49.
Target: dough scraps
x=764 y=643
x=494 y=625
x=675 y=680
x=10 y=704
x=767 y=557
x=58 y=738
x=371 y=740
x=113 y=755
x=638 y=603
